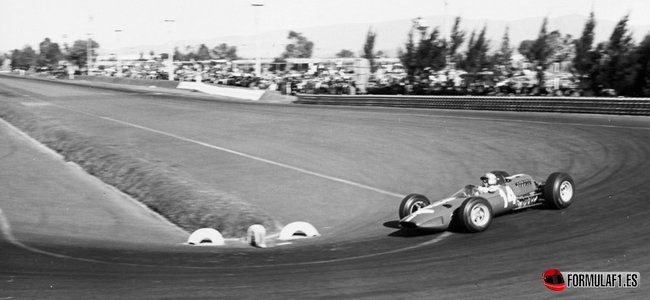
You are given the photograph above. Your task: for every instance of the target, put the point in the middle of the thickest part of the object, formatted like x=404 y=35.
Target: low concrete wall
x=615 y=106
x=230 y=92
x=249 y=94
x=129 y=81
x=239 y=93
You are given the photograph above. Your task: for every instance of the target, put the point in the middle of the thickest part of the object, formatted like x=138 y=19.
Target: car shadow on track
x=406 y=233
x=454 y=227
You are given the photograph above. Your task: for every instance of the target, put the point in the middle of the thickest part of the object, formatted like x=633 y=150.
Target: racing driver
x=489 y=183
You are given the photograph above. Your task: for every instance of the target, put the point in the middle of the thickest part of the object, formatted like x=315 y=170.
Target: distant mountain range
x=391 y=35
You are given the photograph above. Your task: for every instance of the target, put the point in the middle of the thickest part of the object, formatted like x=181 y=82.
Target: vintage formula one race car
x=473 y=207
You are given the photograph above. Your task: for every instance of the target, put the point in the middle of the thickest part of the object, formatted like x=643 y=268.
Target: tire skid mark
x=437 y=239
x=5 y=228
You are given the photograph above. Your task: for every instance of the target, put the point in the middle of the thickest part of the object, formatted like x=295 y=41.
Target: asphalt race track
x=342 y=169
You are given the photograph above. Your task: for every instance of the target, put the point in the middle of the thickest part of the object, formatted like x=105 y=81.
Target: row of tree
x=222 y=51
x=300 y=47
x=616 y=64
x=51 y=53
x=433 y=52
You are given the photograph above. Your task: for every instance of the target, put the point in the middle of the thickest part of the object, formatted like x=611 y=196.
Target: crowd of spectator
x=390 y=80
x=466 y=85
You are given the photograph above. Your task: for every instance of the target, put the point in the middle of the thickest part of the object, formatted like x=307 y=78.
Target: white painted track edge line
x=344 y=181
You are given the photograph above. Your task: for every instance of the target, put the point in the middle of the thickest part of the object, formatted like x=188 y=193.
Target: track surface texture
x=341 y=169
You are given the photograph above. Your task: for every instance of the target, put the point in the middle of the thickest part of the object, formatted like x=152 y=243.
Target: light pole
x=89 y=49
x=170 y=69
x=65 y=45
x=117 y=55
x=89 y=46
x=258 y=63
x=68 y=64
x=421 y=25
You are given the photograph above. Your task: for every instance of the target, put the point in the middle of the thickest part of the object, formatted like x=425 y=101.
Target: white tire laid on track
x=206 y=237
x=256 y=236
x=298 y=230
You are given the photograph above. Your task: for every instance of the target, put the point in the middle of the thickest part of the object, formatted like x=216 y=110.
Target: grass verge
x=188 y=204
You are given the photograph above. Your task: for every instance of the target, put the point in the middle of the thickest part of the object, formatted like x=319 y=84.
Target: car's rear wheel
x=475 y=214
x=558 y=190
x=411 y=204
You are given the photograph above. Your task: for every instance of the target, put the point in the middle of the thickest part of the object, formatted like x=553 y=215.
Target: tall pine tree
x=368 y=49
x=408 y=55
x=476 y=57
x=50 y=53
x=641 y=83
x=456 y=38
x=503 y=57
x=431 y=52
x=541 y=51
x=583 y=62
x=203 y=53
x=615 y=71
x=300 y=47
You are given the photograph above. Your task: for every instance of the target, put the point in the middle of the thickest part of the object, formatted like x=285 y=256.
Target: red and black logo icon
x=553 y=279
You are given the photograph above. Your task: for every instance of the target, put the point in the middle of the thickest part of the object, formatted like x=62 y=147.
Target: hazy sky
x=28 y=22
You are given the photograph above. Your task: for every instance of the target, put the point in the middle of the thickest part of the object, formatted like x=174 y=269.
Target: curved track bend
x=341 y=169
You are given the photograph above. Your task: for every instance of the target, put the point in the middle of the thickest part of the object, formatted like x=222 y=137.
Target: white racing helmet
x=489 y=178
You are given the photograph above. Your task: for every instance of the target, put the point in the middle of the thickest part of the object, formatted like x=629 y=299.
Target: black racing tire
x=558 y=190
x=411 y=204
x=475 y=214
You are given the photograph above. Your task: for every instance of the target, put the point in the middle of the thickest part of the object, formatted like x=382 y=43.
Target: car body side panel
x=497 y=200
x=521 y=184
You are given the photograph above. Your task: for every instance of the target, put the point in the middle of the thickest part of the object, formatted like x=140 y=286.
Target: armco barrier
x=614 y=106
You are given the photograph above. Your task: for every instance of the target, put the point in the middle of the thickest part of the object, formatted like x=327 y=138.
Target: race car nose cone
x=408 y=225
x=425 y=223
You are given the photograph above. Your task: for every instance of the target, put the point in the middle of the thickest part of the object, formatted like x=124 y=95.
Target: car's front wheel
x=475 y=214
x=411 y=204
